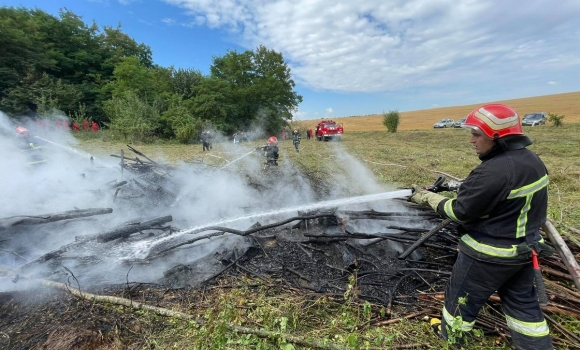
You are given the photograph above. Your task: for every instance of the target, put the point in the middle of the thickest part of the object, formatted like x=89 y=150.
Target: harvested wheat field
x=567 y=104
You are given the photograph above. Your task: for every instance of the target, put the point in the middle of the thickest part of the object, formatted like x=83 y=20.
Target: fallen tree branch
x=428 y=235
x=564 y=252
x=399 y=319
x=46 y=218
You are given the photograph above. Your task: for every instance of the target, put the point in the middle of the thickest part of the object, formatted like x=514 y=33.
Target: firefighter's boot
x=436 y=326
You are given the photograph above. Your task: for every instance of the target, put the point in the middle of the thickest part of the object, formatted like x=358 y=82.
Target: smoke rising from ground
x=202 y=194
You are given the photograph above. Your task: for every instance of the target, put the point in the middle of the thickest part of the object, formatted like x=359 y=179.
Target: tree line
x=60 y=65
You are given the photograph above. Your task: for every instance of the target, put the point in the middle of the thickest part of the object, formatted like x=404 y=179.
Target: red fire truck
x=328 y=129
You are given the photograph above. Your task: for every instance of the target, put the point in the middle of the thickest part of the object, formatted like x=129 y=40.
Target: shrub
x=391 y=120
x=555 y=119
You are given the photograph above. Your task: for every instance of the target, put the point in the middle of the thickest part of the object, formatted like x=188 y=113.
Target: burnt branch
x=46 y=218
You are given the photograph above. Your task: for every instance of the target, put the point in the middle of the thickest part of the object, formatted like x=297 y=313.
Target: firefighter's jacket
x=271 y=153
x=502 y=203
x=296 y=137
x=34 y=152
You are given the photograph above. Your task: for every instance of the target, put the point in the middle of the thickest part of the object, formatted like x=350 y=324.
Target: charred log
x=46 y=218
x=126 y=231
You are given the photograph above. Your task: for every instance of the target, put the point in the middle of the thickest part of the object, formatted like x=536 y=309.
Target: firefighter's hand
x=422 y=197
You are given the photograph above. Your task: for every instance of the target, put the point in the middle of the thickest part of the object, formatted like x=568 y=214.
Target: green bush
x=391 y=120
x=132 y=118
x=556 y=119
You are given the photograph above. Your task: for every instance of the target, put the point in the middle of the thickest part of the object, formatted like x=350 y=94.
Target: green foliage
x=184 y=81
x=45 y=92
x=184 y=126
x=50 y=64
x=80 y=114
x=555 y=119
x=133 y=118
x=391 y=121
x=35 y=43
x=260 y=87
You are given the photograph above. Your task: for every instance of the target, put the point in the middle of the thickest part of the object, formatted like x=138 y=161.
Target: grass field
x=416 y=154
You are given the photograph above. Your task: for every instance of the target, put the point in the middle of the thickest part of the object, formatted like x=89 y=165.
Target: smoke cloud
x=195 y=195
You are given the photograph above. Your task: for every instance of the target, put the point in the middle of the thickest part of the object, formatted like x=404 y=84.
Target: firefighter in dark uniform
x=205 y=140
x=270 y=151
x=296 y=140
x=500 y=206
x=27 y=145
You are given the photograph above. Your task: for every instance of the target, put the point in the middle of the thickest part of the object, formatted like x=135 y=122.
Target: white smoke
x=227 y=184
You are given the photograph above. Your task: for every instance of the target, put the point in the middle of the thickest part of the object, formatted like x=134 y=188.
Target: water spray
x=142 y=249
x=69 y=149
x=235 y=160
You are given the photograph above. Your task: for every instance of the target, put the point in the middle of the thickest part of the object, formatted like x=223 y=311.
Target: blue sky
x=365 y=57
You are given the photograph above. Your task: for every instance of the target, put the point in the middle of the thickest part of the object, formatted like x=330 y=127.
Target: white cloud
x=299 y=115
x=551 y=83
x=377 y=45
x=168 y=21
x=329 y=111
x=145 y=22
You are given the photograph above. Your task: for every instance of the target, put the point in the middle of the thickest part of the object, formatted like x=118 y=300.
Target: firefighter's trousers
x=476 y=281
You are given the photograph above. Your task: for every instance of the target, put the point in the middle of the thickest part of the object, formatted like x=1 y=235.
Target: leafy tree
x=130 y=76
x=555 y=119
x=391 y=121
x=184 y=82
x=34 y=42
x=259 y=81
x=50 y=63
x=213 y=104
x=184 y=126
x=42 y=94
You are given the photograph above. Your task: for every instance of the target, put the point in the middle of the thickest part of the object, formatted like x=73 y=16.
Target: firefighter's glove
x=423 y=197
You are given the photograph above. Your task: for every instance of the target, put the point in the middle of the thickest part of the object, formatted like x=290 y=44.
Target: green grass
x=396 y=160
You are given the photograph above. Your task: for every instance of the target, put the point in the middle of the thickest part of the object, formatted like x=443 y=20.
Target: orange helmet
x=495 y=121
x=273 y=141
x=22 y=131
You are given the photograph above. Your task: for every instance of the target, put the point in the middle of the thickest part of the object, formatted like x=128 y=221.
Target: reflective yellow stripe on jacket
x=526 y=192
x=489 y=249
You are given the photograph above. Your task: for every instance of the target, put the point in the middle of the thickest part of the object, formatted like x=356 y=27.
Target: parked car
x=533 y=119
x=444 y=123
x=459 y=123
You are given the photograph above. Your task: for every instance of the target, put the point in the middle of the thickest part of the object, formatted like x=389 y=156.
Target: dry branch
x=564 y=252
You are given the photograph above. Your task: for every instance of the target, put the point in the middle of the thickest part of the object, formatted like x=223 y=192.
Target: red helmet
x=273 y=140
x=494 y=120
x=22 y=131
